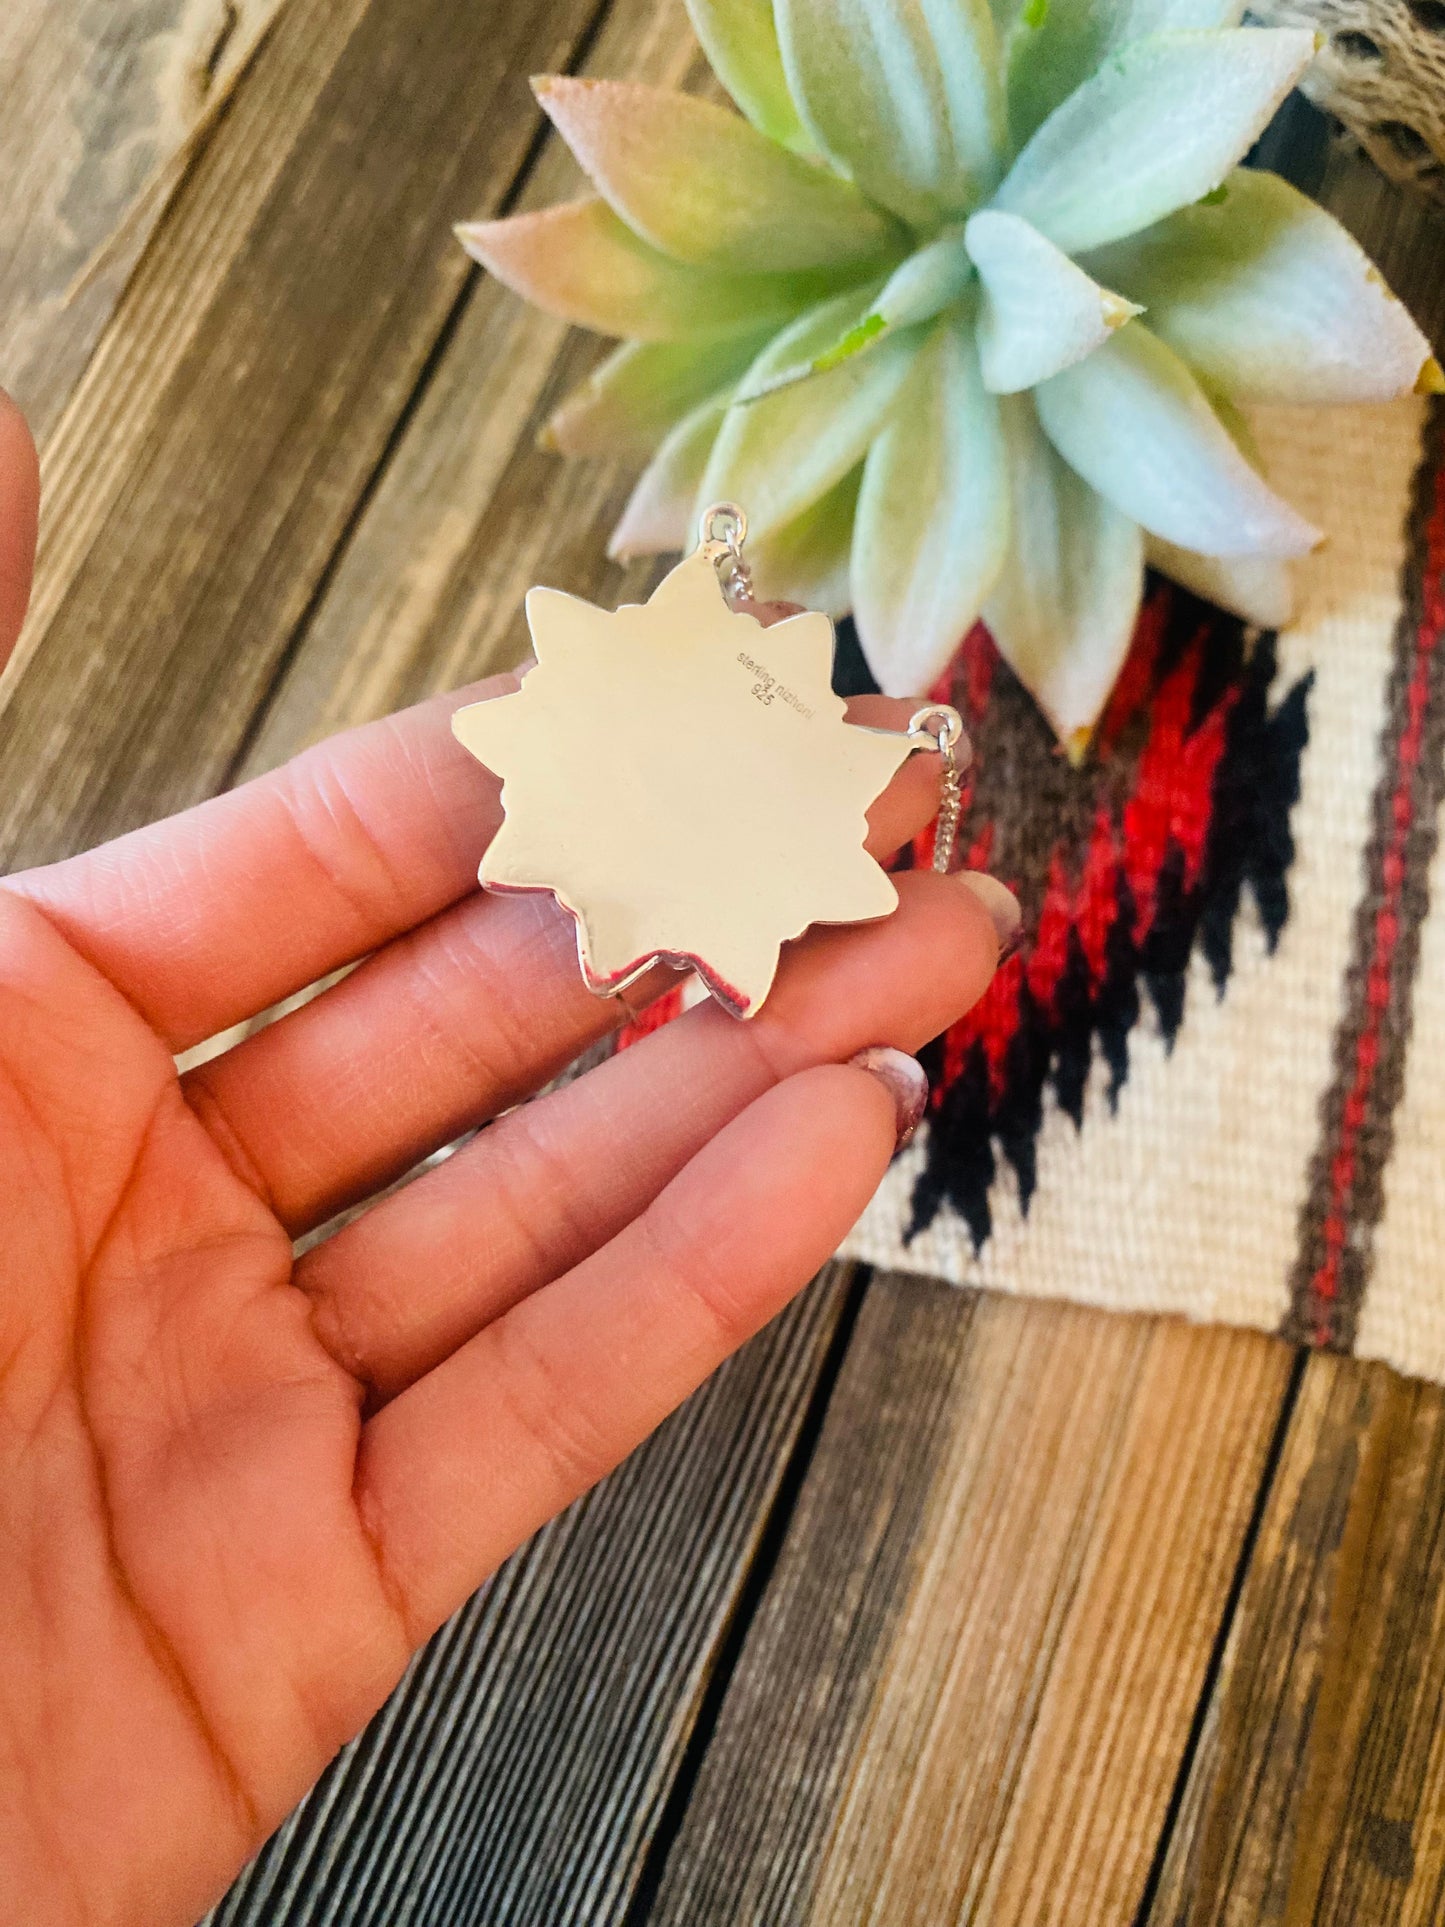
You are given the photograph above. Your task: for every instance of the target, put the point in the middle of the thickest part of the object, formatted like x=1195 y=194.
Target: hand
x=237 y=1490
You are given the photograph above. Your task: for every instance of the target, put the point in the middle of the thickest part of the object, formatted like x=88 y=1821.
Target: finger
x=535 y=1409
x=19 y=513
x=217 y=914
x=401 y=1287
x=911 y=799
x=214 y=915
x=436 y=1033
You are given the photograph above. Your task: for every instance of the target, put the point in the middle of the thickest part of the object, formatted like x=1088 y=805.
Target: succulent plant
x=963 y=308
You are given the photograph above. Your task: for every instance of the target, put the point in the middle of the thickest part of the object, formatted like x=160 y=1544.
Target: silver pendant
x=682 y=779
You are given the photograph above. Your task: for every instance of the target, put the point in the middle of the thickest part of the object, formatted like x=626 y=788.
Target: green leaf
x=705 y=187
x=806 y=560
x=1161 y=123
x=778 y=455
x=933 y=516
x=901 y=94
x=1064 y=608
x=921 y=287
x=1267 y=297
x=1137 y=426
x=741 y=44
x=660 y=515
x=630 y=400
x=1257 y=587
x=1057 y=44
x=1039 y=312
x=580 y=262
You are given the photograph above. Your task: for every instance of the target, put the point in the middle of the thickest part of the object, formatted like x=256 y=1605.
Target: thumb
x=19 y=509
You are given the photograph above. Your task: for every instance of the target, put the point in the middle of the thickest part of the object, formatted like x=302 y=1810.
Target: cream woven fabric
x=1214 y=1088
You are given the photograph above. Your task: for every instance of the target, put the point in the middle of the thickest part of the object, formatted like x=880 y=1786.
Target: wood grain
x=968 y=1688
x=470 y=512
x=246 y=395
x=546 y=1722
x=1319 y=1793
x=101 y=104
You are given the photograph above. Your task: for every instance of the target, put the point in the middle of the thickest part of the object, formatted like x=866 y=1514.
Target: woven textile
x=1208 y=1081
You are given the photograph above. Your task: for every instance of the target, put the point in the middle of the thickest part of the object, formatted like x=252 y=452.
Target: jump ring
x=725 y=523
x=939 y=726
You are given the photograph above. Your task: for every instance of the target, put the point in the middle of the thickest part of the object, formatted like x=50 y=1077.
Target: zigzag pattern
x=1123 y=866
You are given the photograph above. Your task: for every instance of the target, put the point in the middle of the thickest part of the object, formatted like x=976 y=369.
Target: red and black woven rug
x=1206 y=1080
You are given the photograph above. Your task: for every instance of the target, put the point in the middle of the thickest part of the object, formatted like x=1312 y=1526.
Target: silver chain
x=940 y=727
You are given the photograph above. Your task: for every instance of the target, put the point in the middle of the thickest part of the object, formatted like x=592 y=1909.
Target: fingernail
x=999 y=901
x=906 y=1081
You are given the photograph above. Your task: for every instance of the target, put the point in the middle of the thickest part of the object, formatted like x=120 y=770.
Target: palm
x=194 y=1618
x=236 y=1491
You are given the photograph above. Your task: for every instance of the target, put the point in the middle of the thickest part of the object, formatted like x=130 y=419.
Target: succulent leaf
x=660 y=512
x=918 y=289
x=1258 y=587
x=806 y=559
x=1267 y=297
x=902 y=95
x=933 y=515
x=916 y=359
x=705 y=187
x=778 y=455
x=1159 y=125
x=1138 y=427
x=1055 y=47
x=741 y=44
x=1064 y=608
x=1039 y=313
x=580 y=262
x=631 y=399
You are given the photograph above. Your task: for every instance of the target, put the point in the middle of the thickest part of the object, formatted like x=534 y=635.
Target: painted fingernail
x=999 y=901
x=906 y=1080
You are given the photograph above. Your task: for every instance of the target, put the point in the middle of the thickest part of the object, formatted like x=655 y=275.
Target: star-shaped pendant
x=683 y=781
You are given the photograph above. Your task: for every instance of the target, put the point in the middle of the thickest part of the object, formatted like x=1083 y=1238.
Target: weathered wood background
x=929 y=1609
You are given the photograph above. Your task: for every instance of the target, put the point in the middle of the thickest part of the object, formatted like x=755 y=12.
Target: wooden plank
x=246 y=392
x=1318 y=1794
x=967 y=1690
x=86 y=460
x=543 y=1726
x=101 y=103
x=470 y=512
